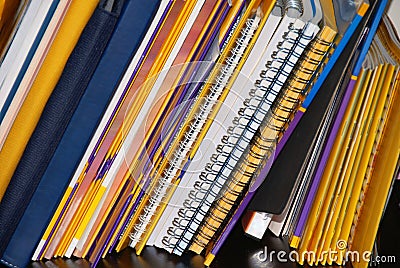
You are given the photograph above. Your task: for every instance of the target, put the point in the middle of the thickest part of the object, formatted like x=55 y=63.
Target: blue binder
x=131 y=27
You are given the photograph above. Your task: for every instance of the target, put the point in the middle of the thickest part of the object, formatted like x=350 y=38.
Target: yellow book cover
x=376 y=194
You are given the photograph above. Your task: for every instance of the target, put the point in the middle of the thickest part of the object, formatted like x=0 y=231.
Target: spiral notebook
x=232 y=104
x=188 y=139
x=307 y=68
x=299 y=83
x=262 y=145
x=118 y=227
x=193 y=205
x=225 y=110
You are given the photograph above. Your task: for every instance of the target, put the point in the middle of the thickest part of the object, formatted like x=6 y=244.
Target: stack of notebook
x=357 y=173
x=128 y=123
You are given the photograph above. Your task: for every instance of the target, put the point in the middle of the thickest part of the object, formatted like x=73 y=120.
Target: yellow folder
x=360 y=157
x=328 y=203
x=363 y=157
x=352 y=110
x=379 y=186
x=75 y=20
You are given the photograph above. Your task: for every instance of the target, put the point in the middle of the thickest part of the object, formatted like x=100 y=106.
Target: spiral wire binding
x=212 y=180
x=293 y=4
x=261 y=147
x=190 y=137
x=234 y=184
x=230 y=34
x=287 y=102
x=317 y=54
x=318 y=49
x=279 y=4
